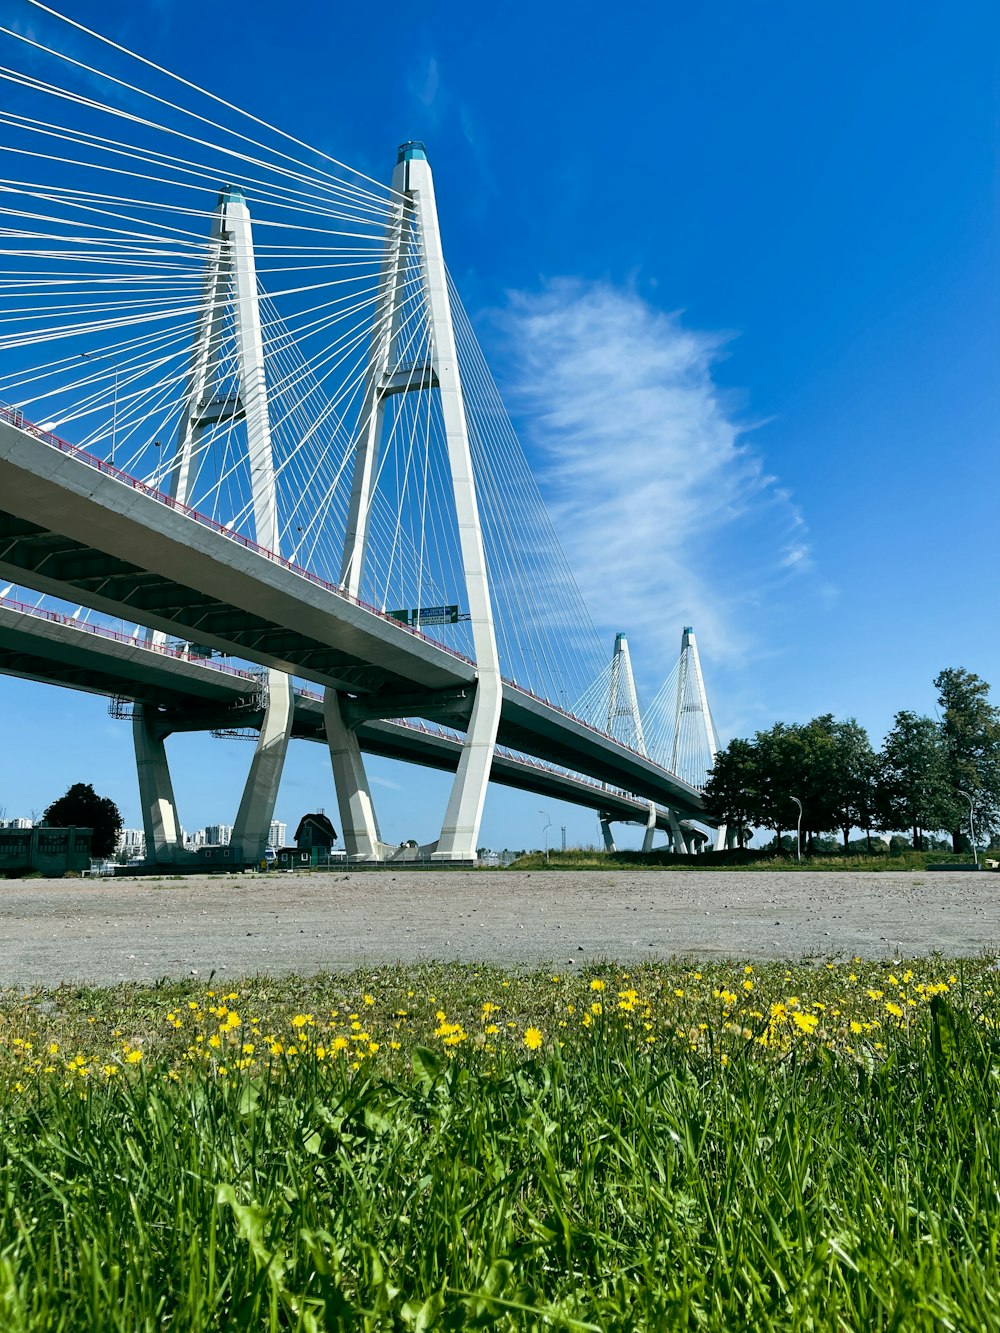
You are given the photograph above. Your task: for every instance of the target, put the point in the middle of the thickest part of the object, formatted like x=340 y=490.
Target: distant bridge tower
x=694 y=730
x=230 y=285
x=413 y=239
x=624 y=721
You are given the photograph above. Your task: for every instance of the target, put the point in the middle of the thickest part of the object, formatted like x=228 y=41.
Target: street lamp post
x=545 y=831
x=972 y=826
x=798 y=831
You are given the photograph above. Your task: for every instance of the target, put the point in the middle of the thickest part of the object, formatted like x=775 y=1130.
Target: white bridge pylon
x=230 y=288
x=677 y=731
x=227 y=382
x=413 y=238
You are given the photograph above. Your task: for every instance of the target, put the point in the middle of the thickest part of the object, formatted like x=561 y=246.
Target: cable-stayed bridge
x=255 y=417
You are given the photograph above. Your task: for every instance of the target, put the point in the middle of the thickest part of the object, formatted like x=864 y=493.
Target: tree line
x=922 y=780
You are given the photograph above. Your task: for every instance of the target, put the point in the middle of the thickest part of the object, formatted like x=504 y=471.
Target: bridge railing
x=180 y=654
x=133 y=640
x=15 y=417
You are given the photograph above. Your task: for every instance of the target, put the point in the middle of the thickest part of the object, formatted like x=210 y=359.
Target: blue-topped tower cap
x=411 y=149
x=232 y=194
x=688 y=629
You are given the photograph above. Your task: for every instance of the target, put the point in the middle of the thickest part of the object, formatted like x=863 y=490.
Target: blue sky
x=759 y=244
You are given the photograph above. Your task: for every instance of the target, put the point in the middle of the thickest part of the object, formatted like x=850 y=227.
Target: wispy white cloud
x=668 y=516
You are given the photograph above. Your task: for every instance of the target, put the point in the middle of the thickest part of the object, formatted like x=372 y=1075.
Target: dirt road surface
x=106 y=931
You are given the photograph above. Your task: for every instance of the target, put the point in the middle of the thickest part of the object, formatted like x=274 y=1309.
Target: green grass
x=725 y=1148
x=748 y=859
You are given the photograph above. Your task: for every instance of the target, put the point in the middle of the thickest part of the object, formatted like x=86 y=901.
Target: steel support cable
x=497 y=427
x=505 y=449
x=31 y=337
x=379 y=191
x=304 y=175
x=516 y=664
x=240 y=516
x=360 y=215
x=47 y=370
x=363 y=260
x=207 y=178
x=533 y=574
x=374 y=224
x=261 y=192
x=402 y=481
x=357 y=337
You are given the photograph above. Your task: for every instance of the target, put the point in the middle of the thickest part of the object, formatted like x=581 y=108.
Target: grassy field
x=734 y=859
x=723 y=1148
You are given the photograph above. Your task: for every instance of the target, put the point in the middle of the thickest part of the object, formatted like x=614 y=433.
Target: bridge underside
x=189 y=695
x=120 y=549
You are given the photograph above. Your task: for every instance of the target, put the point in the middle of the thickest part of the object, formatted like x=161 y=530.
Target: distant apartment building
x=196 y=839
x=132 y=841
x=16 y=823
x=218 y=835
x=279 y=833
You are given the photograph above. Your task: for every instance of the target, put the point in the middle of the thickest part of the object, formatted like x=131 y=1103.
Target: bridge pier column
x=156 y=791
x=358 y=824
x=608 y=836
x=464 y=814
x=253 y=819
x=677 y=835
x=647 y=841
x=722 y=839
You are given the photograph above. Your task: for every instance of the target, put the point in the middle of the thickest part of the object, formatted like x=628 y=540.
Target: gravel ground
x=106 y=931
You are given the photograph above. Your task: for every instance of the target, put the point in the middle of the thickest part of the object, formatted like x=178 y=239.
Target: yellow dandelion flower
x=533 y=1039
x=597 y=984
x=805 y=1022
x=133 y=1057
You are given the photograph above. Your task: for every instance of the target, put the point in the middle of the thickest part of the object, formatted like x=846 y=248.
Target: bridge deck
x=195 y=694
x=82 y=531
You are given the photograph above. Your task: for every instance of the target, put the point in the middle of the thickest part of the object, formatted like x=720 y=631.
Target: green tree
x=798 y=761
x=914 y=788
x=970 y=726
x=854 y=773
x=731 y=788
x=780 y=768
x=83 y=808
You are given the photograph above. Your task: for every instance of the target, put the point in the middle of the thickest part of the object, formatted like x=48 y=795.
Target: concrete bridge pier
x=647 y=841
x=358 y=825
x=607 y=835
x=680 y=842
x=253 y=819
x=156 y=791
